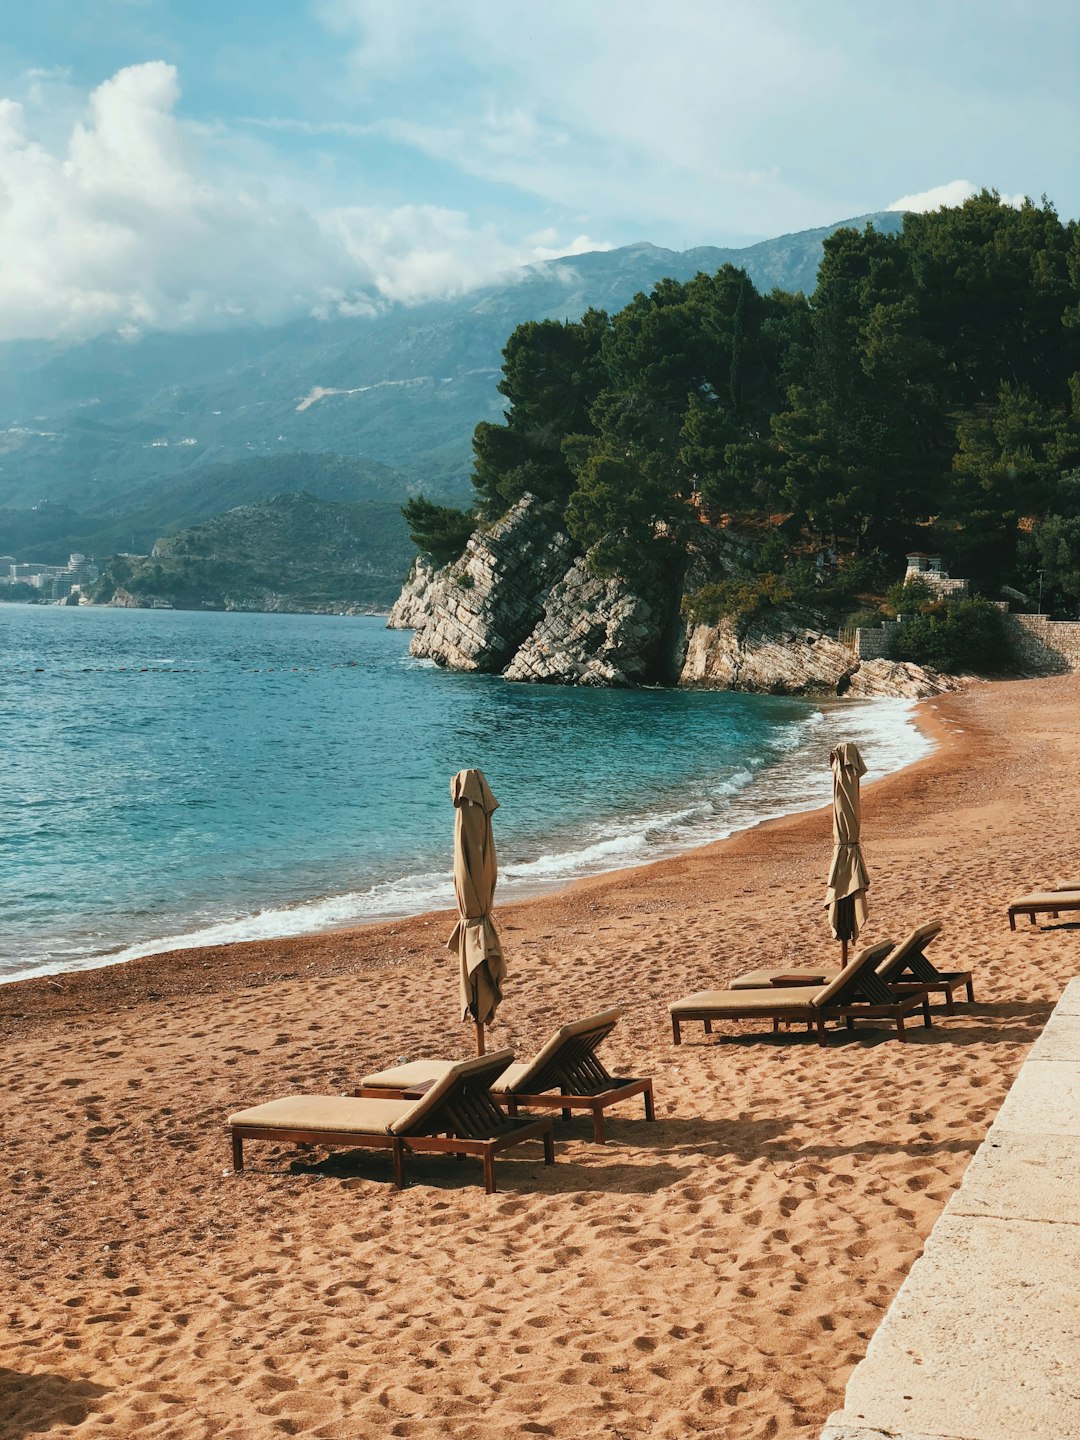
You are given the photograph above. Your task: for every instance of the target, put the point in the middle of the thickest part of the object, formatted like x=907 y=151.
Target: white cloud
x=610 y=107
x=954 y=193
x=136 y=219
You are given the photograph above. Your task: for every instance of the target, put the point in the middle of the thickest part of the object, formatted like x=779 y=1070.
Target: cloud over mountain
x=135 y=218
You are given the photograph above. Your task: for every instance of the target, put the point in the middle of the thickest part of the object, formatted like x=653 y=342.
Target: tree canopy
x=927 y=392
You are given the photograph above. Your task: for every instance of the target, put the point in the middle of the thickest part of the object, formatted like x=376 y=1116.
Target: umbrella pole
x=479 y=1037
x=843 y=952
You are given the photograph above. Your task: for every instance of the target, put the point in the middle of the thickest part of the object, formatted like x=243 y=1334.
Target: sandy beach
x=718 y=1272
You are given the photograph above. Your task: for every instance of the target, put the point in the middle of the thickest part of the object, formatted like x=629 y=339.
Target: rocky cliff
x=521 y=602
x=784 y=656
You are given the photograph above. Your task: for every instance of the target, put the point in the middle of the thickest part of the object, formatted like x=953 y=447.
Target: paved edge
x=982 y=1341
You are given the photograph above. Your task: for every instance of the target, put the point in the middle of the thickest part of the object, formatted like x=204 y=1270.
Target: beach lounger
x=457 y=1114
x=1044 y=902
x=905 y=967
x=565 y=1075
x=856 y=993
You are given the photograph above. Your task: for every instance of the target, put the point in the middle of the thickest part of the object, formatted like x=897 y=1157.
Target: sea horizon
x=227 y=807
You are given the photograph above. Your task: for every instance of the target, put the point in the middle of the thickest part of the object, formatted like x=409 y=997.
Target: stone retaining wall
x=1048 y=644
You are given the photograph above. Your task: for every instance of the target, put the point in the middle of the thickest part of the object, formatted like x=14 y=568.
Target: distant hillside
x=291 y=552
x=140 y=517
x=86 y=425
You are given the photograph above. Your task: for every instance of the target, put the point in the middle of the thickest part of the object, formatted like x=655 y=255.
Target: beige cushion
x=868 y=958
x=1047 y=899
x=919 y=937
x=720 y=1002
x=510 y=1079
x=763 y=979
x=319 y=1113
x=404 y=1077
x=555 y=1044
x=418 y=1111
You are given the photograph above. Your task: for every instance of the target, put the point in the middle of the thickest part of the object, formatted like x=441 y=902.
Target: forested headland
x=925 y=395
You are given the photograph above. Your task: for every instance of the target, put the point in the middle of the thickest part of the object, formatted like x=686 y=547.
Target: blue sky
x=168 y=164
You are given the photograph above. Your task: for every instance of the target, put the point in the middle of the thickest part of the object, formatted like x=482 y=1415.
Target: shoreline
x=515 y=889
x=724 y=1266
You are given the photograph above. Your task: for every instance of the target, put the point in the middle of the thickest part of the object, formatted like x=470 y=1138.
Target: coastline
x=885 y=728
x=724 y=1266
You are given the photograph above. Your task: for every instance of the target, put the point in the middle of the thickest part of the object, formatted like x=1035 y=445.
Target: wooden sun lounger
x=906 y=966
x=1044 y=902
x=565 y=1075
x=856 y=993
x=456 y=1114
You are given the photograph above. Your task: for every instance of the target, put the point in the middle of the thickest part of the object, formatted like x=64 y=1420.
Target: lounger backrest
x=476 y=1075
x=862 y=965
x=570 y=1047
x=908 y=956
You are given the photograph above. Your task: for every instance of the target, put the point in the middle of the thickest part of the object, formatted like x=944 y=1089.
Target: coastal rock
x=593 y=632
x=474 y=613
x=778 y=655
x=413 y=606
x=898 y=679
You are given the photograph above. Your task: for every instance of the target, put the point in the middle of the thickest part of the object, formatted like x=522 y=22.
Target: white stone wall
x=1047 y=644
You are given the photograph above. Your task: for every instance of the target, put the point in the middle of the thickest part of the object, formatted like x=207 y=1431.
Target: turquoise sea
x=175 y=778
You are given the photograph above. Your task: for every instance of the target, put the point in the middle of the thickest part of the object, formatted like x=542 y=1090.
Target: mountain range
x=110 y=443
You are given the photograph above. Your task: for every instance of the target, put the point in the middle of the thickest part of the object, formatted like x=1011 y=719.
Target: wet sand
x=718 y=1272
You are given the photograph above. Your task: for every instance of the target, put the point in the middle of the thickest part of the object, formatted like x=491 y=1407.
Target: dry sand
x=716 y=1273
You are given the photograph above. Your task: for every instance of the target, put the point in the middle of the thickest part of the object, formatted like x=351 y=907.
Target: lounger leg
x=926 y=1018
x=598 y=1124
x=775 y=1025
x=821 y=1029
x=567 y=1114
x=849 y=1022
x=549 y=1148
x=900 y=1026
x=950 y=1001
x=650 y=1112
x=1012 y=920
x=399 y=1164
x=511 y=1104
x=970 y=993
x=237 y=1152
x=708 y=1027
x=676 y=1033
x=489 y=1172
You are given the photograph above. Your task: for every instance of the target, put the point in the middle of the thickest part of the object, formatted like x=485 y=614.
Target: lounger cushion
x=868 y=958
x=1048 y=899
x=554 y=1045
x=513 y=1077
x=763 y=979
x=717 y=1002
x=418 y=1111
x=324 y=1113
x=403 y=1077
x=920 y=936
x=510 y=1079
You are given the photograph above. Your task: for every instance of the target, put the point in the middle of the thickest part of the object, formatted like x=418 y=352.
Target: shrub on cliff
x=735 y=599
x=959 y=636
x=438 y=530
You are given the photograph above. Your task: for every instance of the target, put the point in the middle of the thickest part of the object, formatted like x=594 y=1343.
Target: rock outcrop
x=781 y=655
x=593 y=632
x=475 y=613
x=521 y=603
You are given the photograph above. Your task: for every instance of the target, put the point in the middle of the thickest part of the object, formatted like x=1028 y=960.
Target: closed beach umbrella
x=475 y=940
x=848 y=880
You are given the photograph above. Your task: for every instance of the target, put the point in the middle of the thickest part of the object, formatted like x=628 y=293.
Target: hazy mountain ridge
x=86 y=424
x=158 y=508
x=289 y=552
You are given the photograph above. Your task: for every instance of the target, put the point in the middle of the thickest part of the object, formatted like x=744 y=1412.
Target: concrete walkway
x=983 y=1339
